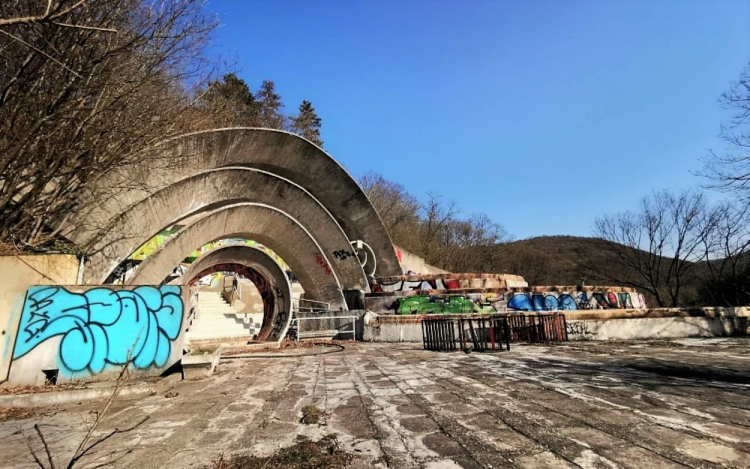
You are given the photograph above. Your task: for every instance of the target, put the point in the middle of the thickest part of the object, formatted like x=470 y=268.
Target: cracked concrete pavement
x=637 y=405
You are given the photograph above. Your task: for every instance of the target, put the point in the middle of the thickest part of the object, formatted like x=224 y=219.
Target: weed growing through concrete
x=311 y=415
x=305 y=454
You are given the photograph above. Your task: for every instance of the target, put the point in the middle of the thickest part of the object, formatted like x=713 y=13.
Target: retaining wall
x=661 y=323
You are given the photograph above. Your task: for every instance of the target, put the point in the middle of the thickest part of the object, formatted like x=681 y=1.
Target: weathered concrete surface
x=630 y=405
x=264 y=224
x=17 y=274
x=278 y=152
x=92 y=392
x=275 y=321
x=213 y=190
x=411 y=262
x=656 y=328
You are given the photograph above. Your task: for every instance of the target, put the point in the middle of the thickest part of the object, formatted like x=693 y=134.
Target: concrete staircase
x=216 y=319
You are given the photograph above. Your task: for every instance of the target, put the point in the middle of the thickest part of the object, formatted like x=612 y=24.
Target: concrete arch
x=263 y=223
x=215 y=189
x=277 y=310
x=277 y=152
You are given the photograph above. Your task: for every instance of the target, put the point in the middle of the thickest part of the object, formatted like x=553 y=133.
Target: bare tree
x=433 y=229
x=86 y=87
x=726 y=249
x=654 y=248
x=398 y=209
x=730 y=169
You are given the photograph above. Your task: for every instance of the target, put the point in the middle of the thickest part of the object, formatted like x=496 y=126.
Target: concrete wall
x=90 y=333
x=663 y=323
x=413 y=263
x=17 y=274
x=657 y=323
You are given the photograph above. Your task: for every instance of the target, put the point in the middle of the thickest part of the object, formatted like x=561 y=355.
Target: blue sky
x=542 y=114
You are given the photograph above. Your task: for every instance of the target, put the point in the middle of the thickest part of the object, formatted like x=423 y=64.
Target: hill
x=552 y=260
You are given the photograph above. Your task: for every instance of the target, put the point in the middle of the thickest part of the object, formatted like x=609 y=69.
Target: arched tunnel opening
x=256 y=300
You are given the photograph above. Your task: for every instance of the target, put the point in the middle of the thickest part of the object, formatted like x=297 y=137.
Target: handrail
x=353 y=323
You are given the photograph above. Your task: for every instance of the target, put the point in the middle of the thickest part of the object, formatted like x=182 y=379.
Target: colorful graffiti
x=554 y=301
x=416 y=285
x=453 y=304
x=508 y=301
x=102 y=326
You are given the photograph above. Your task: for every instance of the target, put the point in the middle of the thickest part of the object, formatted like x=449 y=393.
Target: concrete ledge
x=708 y=312
x=41 y=399
x=200 y=366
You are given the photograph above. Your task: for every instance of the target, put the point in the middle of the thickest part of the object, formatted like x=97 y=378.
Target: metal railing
x=301 y=335
x=312 y=306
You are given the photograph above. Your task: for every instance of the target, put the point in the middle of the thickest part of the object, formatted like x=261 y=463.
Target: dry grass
x=4 y=390
x=15 y=413
x=311 y=415
x=305 y=454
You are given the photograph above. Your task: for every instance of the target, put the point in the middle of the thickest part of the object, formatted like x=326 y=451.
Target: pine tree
x=232 y=98
x=270 y=106
x=307 y=123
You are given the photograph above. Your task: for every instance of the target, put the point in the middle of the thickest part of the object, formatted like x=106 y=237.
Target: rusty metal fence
x=538 y=328
x=491 y=332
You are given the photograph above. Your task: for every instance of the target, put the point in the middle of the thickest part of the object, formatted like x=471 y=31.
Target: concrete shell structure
x=267 y=276
x=215 y=170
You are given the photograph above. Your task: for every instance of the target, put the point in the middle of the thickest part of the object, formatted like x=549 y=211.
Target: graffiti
x=417 y=285
x=554 y=301
x=448 y=304
x=504 y=301
x=343 y=255
x=102 y=326
x=322 y=263
x=128 y=267
x=577 y=328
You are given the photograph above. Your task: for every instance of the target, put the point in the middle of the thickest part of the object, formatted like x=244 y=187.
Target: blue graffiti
x=566 y=302
x=102 y=326
x=520 y=302
x=540 y=302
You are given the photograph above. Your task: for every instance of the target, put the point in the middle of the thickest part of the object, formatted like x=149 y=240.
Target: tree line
x=87 y=86
x=434 y=228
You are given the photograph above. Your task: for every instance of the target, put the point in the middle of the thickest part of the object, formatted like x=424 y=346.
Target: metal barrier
x=491 y=332
x=541 y=327
x=482 y=333
x=302 y=335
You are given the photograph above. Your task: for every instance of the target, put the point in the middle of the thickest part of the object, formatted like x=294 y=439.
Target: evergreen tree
x=270 y=106
x=307 y=123
x=234 y=101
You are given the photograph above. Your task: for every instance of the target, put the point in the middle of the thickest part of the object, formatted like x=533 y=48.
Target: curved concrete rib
x=276 y=319
x=278 y=152
x=212 y=190
x=265 y=224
